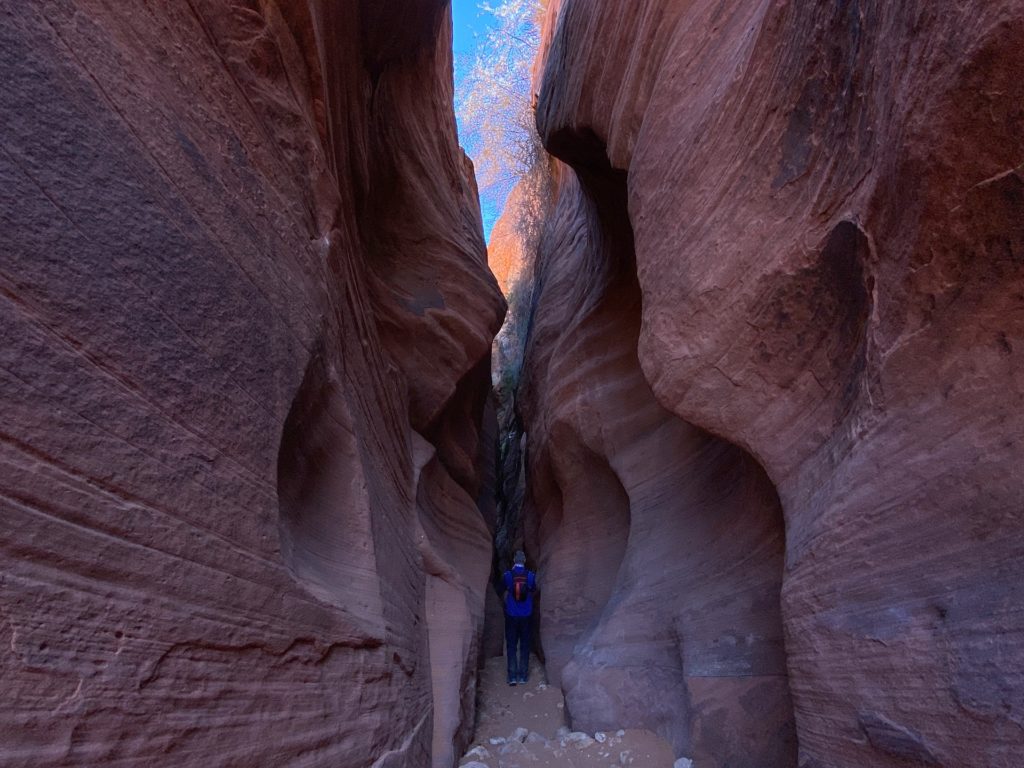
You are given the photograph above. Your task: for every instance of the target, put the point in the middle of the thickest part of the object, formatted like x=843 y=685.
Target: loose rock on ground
x=525 y=725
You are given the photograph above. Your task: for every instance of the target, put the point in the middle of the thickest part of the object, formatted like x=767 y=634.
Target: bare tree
x=495 y=104
x=498 y=130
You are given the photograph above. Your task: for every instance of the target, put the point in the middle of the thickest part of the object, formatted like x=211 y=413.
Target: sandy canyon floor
x=524 y=726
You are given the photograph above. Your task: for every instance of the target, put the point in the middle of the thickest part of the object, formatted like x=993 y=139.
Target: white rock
x=601 y=737
x=562 y=732
x=683 y=762
x=535 y=738
x=620 y=733
x=624 y=758
x=579 y=740
x=478 y=752
x=512 y=748
x=519 y=734
x=496 y=741
x=474 y=764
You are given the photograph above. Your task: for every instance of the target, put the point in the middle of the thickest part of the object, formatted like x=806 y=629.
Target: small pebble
x=601 y=737
x=512 y=748
x=477 y=753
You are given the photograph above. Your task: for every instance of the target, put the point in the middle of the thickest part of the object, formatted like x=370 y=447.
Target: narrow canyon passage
x=660 y=547
x=739 y=366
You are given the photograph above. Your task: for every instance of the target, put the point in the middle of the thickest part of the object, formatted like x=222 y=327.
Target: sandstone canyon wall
x=246 y=326
x=774 y=385
x=660 y=546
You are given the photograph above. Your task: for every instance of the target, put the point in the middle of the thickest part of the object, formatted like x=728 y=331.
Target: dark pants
x=517 y=634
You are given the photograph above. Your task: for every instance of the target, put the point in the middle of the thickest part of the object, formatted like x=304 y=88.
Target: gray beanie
x=519 y=558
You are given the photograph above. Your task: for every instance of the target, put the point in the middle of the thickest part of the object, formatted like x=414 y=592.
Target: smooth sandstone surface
x=246 y=322
x=660 y=547
x=820 y=210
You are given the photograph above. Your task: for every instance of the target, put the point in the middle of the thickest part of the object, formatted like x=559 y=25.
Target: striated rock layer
x=798 y=228
x=660 y=547
x=247 y=319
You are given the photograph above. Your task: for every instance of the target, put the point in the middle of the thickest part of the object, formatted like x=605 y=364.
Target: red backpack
x=520 y=586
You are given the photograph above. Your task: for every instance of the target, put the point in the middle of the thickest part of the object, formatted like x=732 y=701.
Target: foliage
x=495 y=104
x=498 y=130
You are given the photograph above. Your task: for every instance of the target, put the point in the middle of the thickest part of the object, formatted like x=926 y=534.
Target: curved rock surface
x=247 y=319
x=825 y=203
x=660 y=547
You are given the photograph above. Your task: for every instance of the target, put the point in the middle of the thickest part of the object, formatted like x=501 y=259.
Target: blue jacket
x=525 y=608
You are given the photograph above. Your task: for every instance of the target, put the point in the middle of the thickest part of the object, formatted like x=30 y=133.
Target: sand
x=524 y=726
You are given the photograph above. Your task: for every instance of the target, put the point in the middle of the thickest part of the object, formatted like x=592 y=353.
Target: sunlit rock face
x=505 y=249
x=801 y=230
x=247 y=320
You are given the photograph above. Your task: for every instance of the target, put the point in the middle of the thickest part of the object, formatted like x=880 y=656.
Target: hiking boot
x=522 y=681
x=511 y=682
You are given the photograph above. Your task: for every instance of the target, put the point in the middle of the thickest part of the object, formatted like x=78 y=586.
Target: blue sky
x=467 y=20
x=470 y=27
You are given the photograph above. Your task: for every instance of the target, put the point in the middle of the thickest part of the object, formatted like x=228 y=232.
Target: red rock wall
x=826 y=205
x=246 y=318
x=660 y=547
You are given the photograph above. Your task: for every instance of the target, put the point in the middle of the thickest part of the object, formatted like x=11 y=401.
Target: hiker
x=520 y=584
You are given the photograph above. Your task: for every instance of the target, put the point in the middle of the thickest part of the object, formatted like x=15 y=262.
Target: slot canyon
x=749 y=391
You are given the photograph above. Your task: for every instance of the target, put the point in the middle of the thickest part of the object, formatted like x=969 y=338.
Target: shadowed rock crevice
x=818 y=317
